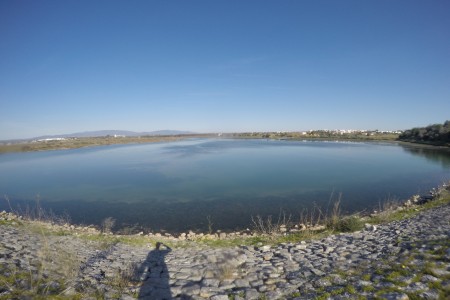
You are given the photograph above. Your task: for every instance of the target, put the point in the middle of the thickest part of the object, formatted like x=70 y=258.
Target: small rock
x=251 y=295
x=219 y=297
x=321 y=283
x=394 y=296
x=267 y=256
x=431 y=295
x=428 y=278
x=370 y=227
x=264 y=248
x=317 y=272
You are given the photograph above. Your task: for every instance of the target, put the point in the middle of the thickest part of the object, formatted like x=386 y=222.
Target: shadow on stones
x=155 y=276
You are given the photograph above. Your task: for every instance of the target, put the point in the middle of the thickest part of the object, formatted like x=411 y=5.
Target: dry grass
x=108 y=224
x=270 y=227
x=127 y=277
x=52 y=274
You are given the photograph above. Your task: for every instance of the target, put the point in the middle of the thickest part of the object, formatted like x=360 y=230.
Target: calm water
x=175 y=186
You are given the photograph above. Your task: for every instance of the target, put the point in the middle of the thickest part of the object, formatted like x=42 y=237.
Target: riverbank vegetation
x=74 y=142
x=81 y=142
x=436 y=134
x=344 y=135
x=312 y=224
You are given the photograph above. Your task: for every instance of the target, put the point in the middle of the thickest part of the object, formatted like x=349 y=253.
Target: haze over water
x=176 y=186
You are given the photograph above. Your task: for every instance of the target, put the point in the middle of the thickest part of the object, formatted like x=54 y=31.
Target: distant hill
x=114 y=132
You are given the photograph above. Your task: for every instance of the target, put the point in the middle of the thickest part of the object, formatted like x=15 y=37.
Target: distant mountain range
x=112 y=133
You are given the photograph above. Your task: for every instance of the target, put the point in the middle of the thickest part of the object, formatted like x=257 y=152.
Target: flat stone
x=241 y=283
x=273 y=294
x=207 y=292
x=251 y=294
x=210 y=282
x=416 y=286
x=321 y=283
x=193 y=289
x=431 y=295
x=300 y=246
x=264 y=248
x=394 y=296
x=219 y=297
x=317 y=272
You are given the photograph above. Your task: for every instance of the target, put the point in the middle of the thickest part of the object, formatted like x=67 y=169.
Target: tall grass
x=269 y=226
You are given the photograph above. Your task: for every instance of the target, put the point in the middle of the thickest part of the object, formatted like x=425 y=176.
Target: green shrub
x=348 y=224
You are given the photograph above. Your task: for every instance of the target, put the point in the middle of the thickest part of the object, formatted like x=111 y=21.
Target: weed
x=225 y=272
x=348 y=224
x=368 y=288
x=124 y=278
x=350 y=289
x=366 y=277
x=270 y=227
x=108 y=224
x=210 y=224
x=47 y=278
x=393 y=277
x=335 y=216
x=295 y=294
x=324 y=296
x=338 y=292
x=428 y=268
x=435 y=285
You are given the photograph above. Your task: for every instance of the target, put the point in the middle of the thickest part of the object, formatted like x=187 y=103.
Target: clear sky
x=221 y=66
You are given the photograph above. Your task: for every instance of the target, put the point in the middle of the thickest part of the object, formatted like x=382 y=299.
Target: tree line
x=437 y=134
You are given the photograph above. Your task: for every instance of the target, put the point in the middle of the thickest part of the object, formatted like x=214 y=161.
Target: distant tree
x=435 y=134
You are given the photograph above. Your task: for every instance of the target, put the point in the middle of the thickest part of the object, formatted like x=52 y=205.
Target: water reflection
x=440 y=156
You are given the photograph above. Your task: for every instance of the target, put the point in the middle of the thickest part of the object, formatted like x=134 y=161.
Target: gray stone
x=394 y=296
x=429 y=278
x=241 y=283
x=264 y=248
x=210 y=282
x=273 y=294
x=207 y=292
x=370 y=227
x=416 y=286
x=191 y=289
x=251 y=294
x=430 y=295
x=317 y=272
x=320 y=283
x=219 y=297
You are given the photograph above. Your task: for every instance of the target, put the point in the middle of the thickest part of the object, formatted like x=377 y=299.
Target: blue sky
x=222 y=66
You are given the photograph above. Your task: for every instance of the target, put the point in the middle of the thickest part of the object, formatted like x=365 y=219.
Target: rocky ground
x=408 y=259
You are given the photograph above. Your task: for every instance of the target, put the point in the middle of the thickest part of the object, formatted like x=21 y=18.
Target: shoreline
x=406 y=258
x=78 y=143
x=260 y=229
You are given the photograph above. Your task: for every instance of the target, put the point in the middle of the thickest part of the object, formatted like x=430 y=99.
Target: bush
x=349 y=224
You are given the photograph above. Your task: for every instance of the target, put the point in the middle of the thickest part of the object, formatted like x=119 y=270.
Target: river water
x=181 y=185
